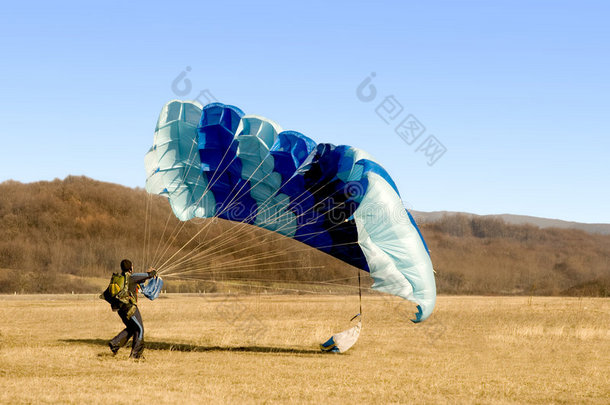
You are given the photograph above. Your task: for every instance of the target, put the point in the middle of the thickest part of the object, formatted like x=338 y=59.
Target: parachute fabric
x=152 y=288
x=337 y=199
x=343 y=341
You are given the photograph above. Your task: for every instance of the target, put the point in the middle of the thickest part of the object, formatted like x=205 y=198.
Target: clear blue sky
x=516 y=91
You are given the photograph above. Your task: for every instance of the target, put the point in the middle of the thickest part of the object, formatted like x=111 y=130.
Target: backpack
x=117 y=294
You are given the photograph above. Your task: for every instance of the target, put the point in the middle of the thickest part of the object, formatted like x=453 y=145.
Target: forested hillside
x=67 y=235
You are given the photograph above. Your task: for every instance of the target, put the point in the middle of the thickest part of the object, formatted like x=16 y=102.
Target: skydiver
x=129 y=313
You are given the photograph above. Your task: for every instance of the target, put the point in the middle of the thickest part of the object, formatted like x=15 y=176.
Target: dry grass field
x=253 y=349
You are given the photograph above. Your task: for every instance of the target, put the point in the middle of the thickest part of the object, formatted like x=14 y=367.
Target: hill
x=68 y=235
x=603 y=229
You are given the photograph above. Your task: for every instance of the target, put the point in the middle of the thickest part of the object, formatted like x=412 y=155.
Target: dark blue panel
x=283 y=164
x=294 y=186
x=334 y=204
x=290 y=149
x=239 y=206
x=370 y=166
x=218 y=113
x=231 y=117
x=232 y=193
x=344 y=248
x=217 y=150
x=315 y=236
x=216 y=133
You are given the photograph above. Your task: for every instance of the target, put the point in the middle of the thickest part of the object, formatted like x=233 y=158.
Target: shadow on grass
x=180 y=347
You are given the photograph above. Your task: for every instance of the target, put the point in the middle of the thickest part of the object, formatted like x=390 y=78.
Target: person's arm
x=139 y=277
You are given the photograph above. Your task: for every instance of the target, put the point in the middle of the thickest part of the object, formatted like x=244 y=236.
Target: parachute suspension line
x=196 y=262
x=270 y=197
x=170 y=214
x=180 y=226
x=208 y=188
x=232 y=270
x=203 y=228
x=321 y=283
x=268 y=255
x=313 y=234
x=327 y=229
x=228 y=206
x=194 y=253
x=187 y=270
x=195 y=265
x=183 y=246
x=235 y=266
x=238 y=235
x=241 y=269
x=245 y=285
x=359 y=293
x=150 y=233
x=250 y=265
x=268 y=280
x=343 y=341
x=285 y=282
x=313 y=282
x=220 y=270
x=161 y=237
x=146 y=226
x=200 y=256
x=247 y=263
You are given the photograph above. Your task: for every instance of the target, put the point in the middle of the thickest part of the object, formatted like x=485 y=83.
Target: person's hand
x=152 y=272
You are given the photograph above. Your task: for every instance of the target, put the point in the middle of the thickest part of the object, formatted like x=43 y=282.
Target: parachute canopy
x=215 y=161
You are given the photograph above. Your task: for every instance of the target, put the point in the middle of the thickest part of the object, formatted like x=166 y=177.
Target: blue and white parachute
x=216 y=161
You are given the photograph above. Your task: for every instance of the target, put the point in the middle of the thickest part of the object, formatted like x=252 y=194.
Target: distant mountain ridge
x=602 y=229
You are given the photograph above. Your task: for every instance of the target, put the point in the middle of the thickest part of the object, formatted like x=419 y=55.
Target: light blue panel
x=262 y=191
x=263 y=128
x=255 y=159
x=256 y=136
x=398 y=260
x=275 y=216
x=173 y=165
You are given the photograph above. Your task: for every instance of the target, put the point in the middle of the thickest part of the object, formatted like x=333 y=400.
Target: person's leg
x=138 y=335
x=121 y=339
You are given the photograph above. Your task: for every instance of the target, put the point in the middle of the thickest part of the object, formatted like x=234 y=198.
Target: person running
x=127 y=309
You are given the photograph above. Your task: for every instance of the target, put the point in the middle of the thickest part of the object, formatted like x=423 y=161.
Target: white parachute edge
x=342 y=341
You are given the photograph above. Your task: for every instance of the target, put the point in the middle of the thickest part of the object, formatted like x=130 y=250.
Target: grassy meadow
x=264 y=348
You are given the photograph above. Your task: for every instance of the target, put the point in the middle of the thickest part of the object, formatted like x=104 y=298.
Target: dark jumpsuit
x=133 y=326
